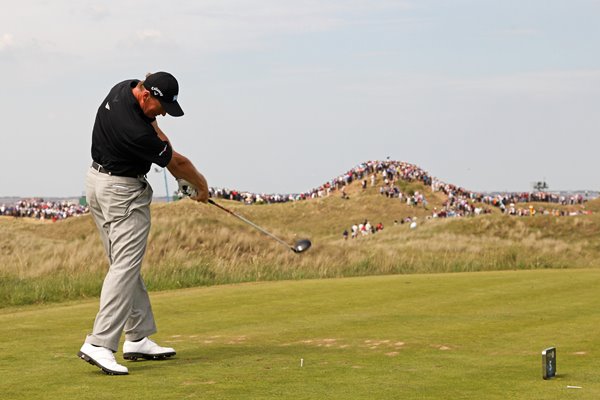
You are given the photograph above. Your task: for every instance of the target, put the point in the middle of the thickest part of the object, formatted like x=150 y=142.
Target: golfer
x=126 y=141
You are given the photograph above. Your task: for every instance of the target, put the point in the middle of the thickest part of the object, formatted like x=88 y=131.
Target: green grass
x=424 y=336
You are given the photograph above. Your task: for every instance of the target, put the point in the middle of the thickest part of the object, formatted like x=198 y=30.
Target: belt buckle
x=101 y=169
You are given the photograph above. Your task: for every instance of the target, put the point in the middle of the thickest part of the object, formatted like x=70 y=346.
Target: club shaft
x=249 y=223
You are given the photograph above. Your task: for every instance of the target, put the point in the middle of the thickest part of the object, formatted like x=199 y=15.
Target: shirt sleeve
x=151 y=148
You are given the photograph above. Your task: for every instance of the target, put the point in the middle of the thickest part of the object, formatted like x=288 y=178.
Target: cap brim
x=173 y=109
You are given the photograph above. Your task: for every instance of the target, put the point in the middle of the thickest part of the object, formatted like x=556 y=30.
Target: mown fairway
x=436 y=336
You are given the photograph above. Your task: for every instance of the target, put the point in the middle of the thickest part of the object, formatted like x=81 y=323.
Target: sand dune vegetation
x=197 y=245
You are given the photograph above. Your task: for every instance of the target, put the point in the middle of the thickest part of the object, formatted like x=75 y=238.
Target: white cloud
x=232 y=25
x=6 y=41
x=149 y=35
x=141 y=41
x=211 y=26
x=98 y=12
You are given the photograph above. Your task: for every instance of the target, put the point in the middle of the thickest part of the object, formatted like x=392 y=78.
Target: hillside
x=394 y=179
x=194 y=244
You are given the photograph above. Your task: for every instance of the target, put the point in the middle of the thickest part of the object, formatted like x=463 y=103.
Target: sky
x=281 y=96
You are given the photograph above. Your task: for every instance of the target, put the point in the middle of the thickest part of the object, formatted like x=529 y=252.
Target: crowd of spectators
x=364 y=228
x=460 y=202
x=531 y=211
x=519 y=204
x=388 y=173
x=392 y=169
x=254 y=198
x=43 y=210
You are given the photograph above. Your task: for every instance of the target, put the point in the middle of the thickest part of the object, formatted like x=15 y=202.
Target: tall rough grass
x=192 y=245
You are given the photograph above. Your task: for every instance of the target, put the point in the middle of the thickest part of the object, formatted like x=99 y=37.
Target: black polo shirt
x=123 y=139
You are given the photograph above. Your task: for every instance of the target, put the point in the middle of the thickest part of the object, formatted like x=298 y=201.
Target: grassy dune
x=195 y=245
x=432 y=336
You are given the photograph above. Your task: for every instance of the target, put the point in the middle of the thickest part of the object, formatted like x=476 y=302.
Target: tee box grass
x=436 y=336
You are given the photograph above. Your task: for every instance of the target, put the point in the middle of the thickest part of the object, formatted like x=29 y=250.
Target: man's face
x=151 y=106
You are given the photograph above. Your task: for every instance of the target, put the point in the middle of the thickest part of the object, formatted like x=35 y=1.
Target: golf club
x=298 y=247
x=188 y=190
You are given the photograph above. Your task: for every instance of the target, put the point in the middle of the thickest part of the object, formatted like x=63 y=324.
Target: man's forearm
x=181 y=167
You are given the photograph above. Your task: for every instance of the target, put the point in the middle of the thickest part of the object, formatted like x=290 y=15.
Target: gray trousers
x=120 y=207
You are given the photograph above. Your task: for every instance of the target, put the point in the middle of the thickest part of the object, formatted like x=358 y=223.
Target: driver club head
x=301 y=246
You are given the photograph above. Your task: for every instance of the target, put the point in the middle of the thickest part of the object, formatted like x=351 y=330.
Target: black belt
x=103 y=170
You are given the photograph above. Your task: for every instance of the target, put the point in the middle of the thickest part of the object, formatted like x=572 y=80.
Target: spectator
x=43 y=210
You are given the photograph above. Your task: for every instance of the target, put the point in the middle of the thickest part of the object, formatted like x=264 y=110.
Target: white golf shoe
x=103 y=358
x=146 y=349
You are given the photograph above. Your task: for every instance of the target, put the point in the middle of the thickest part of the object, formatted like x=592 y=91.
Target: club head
x=301 y=245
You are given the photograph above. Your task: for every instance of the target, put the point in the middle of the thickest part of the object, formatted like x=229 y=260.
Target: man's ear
x=145 y=95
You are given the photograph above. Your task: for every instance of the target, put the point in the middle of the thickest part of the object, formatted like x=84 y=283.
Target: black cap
x=165 y=88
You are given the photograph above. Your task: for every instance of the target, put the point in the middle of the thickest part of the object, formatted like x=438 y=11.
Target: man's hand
x=201 y=191
x=191 y=191
x=182 y=168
